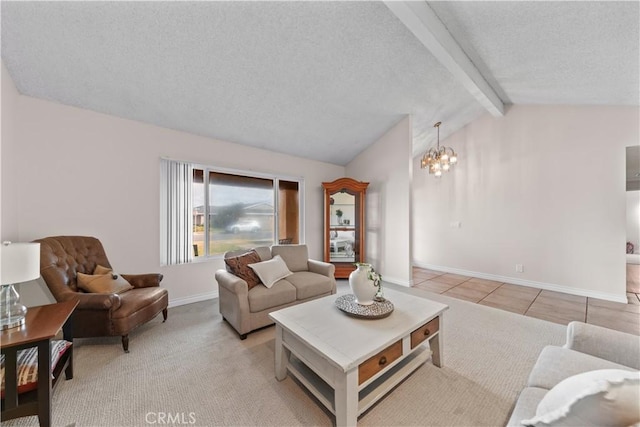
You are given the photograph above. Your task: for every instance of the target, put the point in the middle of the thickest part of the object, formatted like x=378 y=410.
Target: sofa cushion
x=556 y=363
x=526 y=405
x=594 y=398
x=239 y=266
x=261 y=298
x=264 y=252
x=138 y=299
x=108 y=283
x=295 y=256
x=309 y=285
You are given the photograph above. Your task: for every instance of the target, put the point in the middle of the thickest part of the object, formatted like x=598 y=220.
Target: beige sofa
x=248 y=309
x=588 y=348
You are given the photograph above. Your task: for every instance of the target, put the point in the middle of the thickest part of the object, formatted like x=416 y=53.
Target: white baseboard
x=191 y=299
x=524 y=282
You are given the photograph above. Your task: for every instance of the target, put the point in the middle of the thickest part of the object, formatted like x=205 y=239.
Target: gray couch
x=247 y=310
x=588 y=348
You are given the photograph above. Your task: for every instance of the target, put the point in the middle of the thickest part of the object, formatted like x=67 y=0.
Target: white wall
x=9 y=96
x=77 y=172
x=633 y=219
x=543 y=186
x=386 y=165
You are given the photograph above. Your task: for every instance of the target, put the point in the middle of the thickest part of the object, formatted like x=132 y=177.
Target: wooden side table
x=41 y=326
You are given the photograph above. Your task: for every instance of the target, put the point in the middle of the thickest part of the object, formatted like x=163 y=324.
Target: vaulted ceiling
x=320 y=80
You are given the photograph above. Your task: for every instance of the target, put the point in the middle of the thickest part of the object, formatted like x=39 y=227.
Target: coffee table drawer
x=379 y=362
x=424 y=332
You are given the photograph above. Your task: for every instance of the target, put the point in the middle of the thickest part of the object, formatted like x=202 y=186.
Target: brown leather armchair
x=98 y=314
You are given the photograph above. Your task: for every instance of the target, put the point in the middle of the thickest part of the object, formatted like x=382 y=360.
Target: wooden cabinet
x=344 y=224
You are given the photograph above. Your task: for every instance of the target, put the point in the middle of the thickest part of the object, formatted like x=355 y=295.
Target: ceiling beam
x=422 y=21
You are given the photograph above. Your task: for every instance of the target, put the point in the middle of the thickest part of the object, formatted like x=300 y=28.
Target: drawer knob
x=382 y=361
x=426 y=332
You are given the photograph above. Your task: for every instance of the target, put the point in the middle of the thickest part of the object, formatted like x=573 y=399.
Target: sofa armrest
x=232 y=283
x=615 y=346
x=324 y=268
x=143 y=280
x=90 y=301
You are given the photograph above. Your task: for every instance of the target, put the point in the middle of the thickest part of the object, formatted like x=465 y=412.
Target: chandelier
x=440 y=158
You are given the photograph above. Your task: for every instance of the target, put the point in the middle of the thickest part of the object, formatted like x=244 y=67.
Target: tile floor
x=547 y=305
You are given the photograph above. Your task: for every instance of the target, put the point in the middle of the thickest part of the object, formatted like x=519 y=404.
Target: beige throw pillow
x=103 y=283
x=271 y=271
x=102 y=270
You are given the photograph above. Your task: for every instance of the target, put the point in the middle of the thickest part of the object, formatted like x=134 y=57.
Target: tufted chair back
x=61 y=257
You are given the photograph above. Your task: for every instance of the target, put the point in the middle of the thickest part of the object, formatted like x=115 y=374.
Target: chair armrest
x=232 y=283
x=90 y=301
x=615 y=346
x=143 y=280
x=324 y=268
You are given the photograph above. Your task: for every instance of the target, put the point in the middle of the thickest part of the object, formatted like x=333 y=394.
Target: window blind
x=176 y=219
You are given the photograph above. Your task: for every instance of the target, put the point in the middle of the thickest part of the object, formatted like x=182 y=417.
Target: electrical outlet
x=519 y=268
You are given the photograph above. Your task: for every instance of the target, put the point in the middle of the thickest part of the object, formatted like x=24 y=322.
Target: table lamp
x=20 y=262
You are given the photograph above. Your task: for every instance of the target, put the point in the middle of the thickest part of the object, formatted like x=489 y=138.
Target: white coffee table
x=350 y=363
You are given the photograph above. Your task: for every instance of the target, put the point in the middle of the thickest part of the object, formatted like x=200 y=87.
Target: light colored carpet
x=195 y=368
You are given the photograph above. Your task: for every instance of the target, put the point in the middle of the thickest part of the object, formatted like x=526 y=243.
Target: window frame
x=276 y=178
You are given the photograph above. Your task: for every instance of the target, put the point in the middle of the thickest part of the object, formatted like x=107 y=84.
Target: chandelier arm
x=438 y=159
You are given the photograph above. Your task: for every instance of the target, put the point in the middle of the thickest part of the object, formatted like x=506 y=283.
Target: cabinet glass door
x=342 y=229
x=344 y=224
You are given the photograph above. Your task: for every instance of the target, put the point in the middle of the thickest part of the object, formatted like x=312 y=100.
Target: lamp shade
x=20 y=262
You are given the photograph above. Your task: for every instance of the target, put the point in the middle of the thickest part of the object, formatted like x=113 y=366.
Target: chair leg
x=164 y=315
x=125 y=343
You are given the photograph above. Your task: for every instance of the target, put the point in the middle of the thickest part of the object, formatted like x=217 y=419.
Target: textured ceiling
x=541 y=52
x=321 y=80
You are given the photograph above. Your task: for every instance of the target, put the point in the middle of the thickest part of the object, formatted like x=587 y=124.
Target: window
x=234 y=210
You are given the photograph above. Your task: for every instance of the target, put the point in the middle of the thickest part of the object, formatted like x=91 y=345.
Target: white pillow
x=607 y=397
x=271 y=271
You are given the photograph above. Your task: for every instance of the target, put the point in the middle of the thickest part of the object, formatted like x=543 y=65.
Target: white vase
x=361 y=286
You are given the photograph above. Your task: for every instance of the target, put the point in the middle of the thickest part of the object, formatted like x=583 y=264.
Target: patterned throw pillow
x=239 y=266
x=28 y=365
